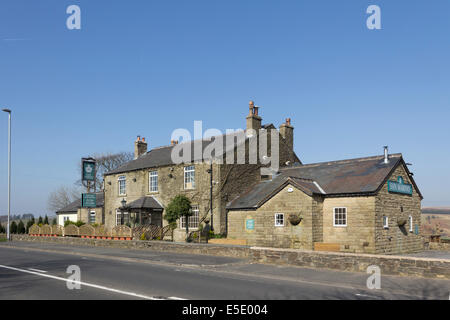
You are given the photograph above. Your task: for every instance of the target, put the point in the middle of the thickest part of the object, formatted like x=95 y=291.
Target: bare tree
x=105 y=162
x=62 y=197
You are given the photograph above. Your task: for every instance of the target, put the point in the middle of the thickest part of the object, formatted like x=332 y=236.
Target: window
x=92 y=217
x=122 y=185
x=279 y=219
x=410 y=223
x=340 y=217
x=189 y=177
x=193 y=220
x=122 y=218
x=385 y=222
x=153 y=181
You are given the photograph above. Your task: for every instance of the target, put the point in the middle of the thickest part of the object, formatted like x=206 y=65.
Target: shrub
x=13 y=227
x=78 y=223
x=21 y=227
x=143 y=237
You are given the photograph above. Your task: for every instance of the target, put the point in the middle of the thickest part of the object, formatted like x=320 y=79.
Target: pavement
x=39 y=271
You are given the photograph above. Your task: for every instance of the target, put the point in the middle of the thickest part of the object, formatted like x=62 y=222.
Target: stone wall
x=168 y=188
x=359 y=234
x=186 y=248
x=265 y=232
x=390 y=265
x=395 y=206
x=440 y=246
x=83 y=215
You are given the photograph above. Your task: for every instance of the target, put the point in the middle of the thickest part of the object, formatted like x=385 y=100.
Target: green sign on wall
x=88 y=169
x=88 y=200
x=400 y=186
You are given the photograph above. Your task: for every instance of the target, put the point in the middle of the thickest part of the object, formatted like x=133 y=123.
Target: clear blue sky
x=148 y=67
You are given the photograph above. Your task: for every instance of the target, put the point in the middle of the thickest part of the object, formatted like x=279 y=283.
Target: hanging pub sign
x=88 y=200
x=400 y=186
x=88 y=169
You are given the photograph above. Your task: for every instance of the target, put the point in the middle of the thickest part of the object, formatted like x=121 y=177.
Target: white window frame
x=153 y=181
x=189 y=174
x=92 y=213
x=118 y=214
x=386 y=222
x=334 y=217
x=277 y=220
x=124 y=180
x=411 y=226
x=193 y=220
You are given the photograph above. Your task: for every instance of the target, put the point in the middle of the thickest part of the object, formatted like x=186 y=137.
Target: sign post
x=88 y=200
x=88 y=172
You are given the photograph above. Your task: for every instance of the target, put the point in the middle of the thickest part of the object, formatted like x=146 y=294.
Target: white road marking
x=37 y=270
x=176 y=298
x=83 y=283
x=366 y=295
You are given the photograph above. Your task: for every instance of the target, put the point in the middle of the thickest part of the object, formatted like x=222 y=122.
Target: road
x=38 y=271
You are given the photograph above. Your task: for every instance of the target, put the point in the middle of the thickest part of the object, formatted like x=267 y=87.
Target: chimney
x=253 y=119
x=140 y=147
x=386 y=154
x=287 y=132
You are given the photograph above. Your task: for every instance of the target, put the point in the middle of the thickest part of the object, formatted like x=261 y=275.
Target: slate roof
x=144 y=203
x=74 y=206
x=161 y=156
x=345 y=177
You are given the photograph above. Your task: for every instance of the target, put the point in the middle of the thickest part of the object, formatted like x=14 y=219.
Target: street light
x=9 y=170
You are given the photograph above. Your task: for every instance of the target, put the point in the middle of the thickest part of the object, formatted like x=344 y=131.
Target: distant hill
x=436 y=210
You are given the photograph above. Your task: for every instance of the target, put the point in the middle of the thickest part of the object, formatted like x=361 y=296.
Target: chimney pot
x=140 y=147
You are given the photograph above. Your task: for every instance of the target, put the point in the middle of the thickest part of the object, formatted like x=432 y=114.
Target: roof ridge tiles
x=315 y=164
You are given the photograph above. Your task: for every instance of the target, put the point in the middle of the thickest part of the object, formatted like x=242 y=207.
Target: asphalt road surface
x=39 y=271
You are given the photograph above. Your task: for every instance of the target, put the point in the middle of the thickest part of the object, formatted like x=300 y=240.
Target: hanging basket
x=401 y=222
x=295 y=219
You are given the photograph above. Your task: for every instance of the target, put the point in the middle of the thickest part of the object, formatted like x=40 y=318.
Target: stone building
x=138 y=191
x=74 y=212
x=365 y=205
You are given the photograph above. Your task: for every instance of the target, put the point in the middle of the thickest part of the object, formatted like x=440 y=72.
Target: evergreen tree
x=13 y=227
x=46 y=220
x=54 y=222
x=21 y=227
x=180 y=206
x=2 y=229
x=29 y=224
x=40 y=221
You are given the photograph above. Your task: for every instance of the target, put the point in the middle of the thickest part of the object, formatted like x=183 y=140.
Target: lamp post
x=9 y=170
